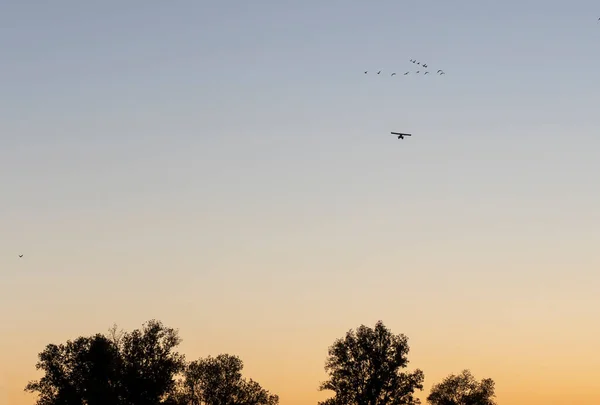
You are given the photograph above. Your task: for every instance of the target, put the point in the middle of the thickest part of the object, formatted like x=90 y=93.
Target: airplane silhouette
x=400 y=135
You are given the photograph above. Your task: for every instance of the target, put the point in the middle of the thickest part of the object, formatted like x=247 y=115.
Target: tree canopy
x=81 y=371
x=140 y=368
x=218 y=381
x=365 y=369
x=462 y=389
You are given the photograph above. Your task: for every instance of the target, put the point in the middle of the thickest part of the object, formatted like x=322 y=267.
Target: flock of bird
x=439 y=72
x=416 y=62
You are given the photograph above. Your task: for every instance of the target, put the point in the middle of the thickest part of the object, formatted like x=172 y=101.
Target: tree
x=149 y=363
x=218 y=381
x=78 y=372
x=364 y=369
x=136 y=369
x=115 y=335
x=462 y=389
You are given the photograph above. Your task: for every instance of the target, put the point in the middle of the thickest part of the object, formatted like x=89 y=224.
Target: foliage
x=139 y=368
x=462 y=389
x=99 y=370
x=364 y=369
x=218 y=381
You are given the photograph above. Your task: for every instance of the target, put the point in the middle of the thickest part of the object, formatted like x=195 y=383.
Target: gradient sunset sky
x=227 y=168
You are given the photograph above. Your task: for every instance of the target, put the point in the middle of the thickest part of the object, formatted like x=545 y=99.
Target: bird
x=425 y=73
x=20 y=255
x=439 y=70
x=379 y=72
x=393 y=74
x=417 y=71
x=406 y=73
x=424 y=65
x=366 y=71
x=442 y=73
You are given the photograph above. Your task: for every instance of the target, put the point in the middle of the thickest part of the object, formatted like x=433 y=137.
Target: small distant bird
x=379 y=72
x=417 y=71
x=442 y=73
x=424 y=65
x=393 y=74
x=406 y=73
x=366 y=71
x=425 y=73
x=20 y=255
x=414 y=61
x=439 y=71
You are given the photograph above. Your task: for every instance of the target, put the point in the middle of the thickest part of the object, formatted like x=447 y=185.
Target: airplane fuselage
x=400 y=135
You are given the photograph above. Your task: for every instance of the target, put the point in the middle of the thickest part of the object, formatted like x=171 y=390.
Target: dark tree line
x=142 y=367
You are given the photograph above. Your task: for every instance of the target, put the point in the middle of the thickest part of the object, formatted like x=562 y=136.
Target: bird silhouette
x=424 y=65
x=20 y=255
x=379 y=72
x=393 y=74
x=425 y=73
x=366 y=71
x=417 y=71
x=406 y=73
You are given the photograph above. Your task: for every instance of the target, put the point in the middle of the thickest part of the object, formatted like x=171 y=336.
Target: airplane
x=400 y=135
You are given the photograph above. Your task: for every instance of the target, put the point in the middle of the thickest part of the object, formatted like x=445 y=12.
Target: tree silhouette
x=149 y=363
x=364 y=369
x=218 y=381
x=81 y=371
x=462 y=389
x=136 y=369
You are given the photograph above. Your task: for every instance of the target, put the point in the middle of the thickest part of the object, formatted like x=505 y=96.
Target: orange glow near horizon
x=229 y=171
x=529 y=366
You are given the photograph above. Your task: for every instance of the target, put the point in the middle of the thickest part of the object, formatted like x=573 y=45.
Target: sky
x=226 y=167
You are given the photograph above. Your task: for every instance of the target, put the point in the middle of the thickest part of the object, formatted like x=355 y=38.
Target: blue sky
x=202 y=137
x=82 y=81
x=124 y=101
